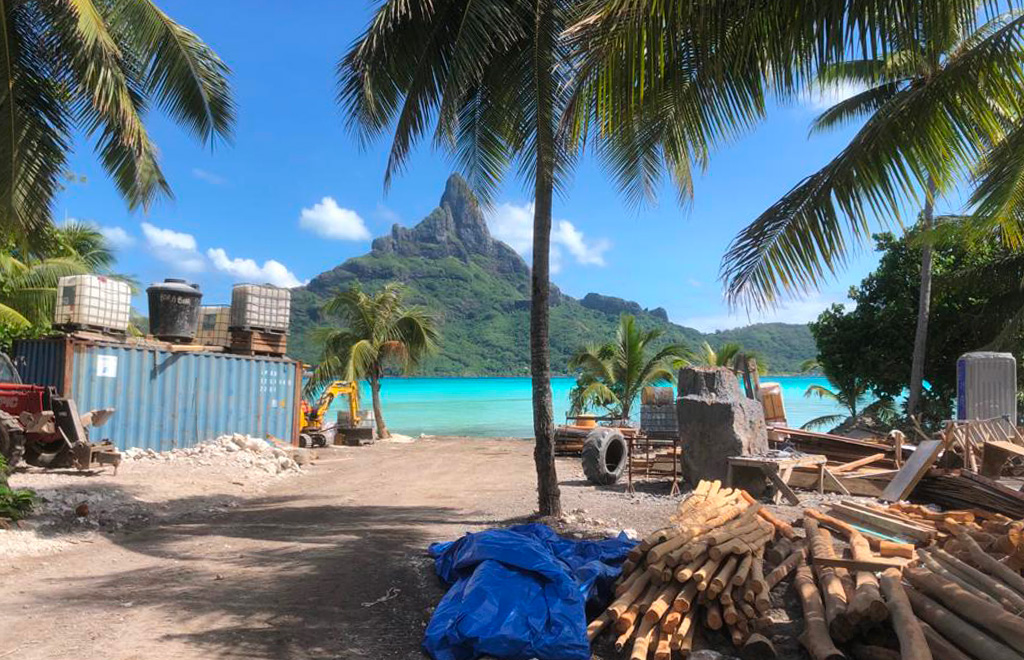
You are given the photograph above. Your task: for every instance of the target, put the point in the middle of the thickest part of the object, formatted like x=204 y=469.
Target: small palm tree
x=94 y=68
x=380 y=331
x=730 y=354
x=29 y=275
x=846 y=397
x=611 y=376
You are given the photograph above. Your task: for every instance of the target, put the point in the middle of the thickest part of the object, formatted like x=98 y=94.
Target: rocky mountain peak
x=456 y=228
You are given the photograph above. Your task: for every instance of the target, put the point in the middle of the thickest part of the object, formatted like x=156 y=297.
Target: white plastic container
x=986 y=386
x=93 y=302
x=260 y=307
x=214 y=321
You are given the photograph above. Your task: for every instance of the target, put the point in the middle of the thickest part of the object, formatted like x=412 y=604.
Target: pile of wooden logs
x=953 y=603
x=706 y=569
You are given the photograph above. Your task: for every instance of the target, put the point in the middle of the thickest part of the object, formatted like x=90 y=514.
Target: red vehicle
x=44 y=429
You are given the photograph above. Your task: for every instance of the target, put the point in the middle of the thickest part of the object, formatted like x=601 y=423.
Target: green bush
x=15 y=504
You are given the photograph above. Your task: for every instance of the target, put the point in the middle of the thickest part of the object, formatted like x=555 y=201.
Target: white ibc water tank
x=986 y=386
x=213 y=326
x=260 y=307
x=93 y=302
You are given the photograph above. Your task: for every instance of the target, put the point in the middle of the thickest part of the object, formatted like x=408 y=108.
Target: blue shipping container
x=165 y=399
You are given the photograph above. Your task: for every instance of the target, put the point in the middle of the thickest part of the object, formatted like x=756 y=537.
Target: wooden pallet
x=250 y=342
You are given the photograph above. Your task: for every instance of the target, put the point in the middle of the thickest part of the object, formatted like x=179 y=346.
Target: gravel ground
x=201 y=557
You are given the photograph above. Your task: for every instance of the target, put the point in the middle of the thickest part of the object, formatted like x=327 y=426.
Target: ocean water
x=501 y=407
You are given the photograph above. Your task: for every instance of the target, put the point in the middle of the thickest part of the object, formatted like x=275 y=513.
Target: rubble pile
x=237 y=448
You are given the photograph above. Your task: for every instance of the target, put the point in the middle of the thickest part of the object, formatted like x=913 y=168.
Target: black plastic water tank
x=174 y=310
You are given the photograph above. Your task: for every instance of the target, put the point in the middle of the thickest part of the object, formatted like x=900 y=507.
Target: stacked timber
x=963 y=489
x=706 y=569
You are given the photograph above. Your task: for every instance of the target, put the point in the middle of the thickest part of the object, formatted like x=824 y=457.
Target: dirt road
x=330 y=564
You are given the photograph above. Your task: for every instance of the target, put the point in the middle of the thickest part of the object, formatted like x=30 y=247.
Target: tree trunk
x=924 y=302
x=378 y=415
x=548 y=496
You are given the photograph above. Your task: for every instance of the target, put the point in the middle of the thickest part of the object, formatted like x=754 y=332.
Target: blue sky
x=295 y=194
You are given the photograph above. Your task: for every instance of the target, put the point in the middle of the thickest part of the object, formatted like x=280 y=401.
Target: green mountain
x=479 y=287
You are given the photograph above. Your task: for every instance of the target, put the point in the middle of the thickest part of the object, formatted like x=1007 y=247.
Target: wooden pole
x=969 y=607
x=991 y=565
x=815 y=637
x=867 y=601
x=941 y=647
x=913 y=645
x=833 y=592
x=1007 y=596
x=958 y=631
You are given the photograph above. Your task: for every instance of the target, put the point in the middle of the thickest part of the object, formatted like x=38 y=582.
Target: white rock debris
x=237 y=448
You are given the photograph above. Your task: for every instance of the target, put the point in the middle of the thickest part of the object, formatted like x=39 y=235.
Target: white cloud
x=117 y=237
x=272 y=271
x=793 y=311
x=695 y=283
x=173 y=247
x=209 y=177
x=823 y=97
x=513 y=224
x=329 y=220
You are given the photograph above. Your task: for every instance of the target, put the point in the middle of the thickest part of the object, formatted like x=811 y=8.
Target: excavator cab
x=351 y=427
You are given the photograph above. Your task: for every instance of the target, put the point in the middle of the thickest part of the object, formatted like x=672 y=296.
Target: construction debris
x=245 y=450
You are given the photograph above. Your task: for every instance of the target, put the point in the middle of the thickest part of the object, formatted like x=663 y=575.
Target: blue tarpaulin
x=519 y=593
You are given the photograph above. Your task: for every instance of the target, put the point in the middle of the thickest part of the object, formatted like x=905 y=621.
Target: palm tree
x=94 y=67
x=846 y=397
x=493 y=77
x=612 y=375
x=933 y=104
x=380 y=331
x=887 y=82
x=730 y=354
x=30 y=273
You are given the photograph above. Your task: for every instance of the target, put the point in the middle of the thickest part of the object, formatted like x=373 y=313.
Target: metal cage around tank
x=166 y=398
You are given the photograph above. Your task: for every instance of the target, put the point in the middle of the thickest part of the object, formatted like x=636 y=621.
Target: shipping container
x=166 y=398
x=986 y=386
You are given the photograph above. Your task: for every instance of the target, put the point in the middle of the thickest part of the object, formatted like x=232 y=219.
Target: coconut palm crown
x=379 y=331
x=611 y=376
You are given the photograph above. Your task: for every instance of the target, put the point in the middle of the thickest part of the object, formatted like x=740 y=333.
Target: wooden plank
x=912 y=471
x=994 y=455
x=875 y=521
x=831 y=478
x=853 y=565
x=783 y=487
x=895 y=516
x=861 y=462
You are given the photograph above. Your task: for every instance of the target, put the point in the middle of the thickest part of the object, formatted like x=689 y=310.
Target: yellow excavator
x=353 y=430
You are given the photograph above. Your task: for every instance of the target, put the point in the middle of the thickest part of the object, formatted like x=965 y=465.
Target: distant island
x=479 y=286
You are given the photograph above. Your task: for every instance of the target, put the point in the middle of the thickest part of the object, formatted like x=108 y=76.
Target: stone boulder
x=716 y=421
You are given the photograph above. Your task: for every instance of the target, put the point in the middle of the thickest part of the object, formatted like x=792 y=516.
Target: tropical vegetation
x=30 y=271
x=94 y=68
x=378 y=332
x=940 y=56
x=730 y=354
x=977 y=304
x=612 y=375
x=15 y=503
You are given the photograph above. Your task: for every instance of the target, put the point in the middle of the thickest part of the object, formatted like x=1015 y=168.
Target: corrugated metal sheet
x=168 y=399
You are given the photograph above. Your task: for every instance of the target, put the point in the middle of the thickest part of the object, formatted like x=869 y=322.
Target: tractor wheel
x=305 y=441
x=604 y=456
x=12 y=440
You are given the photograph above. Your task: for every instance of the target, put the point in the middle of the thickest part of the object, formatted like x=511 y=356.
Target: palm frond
x=823 y=422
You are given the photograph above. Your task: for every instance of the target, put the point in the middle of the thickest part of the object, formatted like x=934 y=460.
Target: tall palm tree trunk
x=924 y=302
x=378 y=414
x=548 y=496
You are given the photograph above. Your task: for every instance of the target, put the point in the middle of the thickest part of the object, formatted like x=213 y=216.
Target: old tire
x=604 y=456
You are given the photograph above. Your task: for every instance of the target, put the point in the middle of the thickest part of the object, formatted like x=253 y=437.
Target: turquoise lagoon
x=500 y=407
